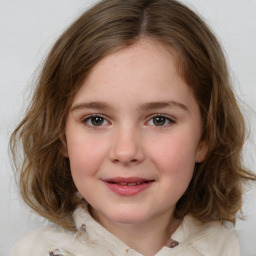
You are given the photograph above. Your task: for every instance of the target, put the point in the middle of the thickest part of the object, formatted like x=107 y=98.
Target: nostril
x=125 y=153
x=129 y=161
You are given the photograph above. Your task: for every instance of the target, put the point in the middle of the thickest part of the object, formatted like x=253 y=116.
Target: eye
x=95 y=120
x=160 y=120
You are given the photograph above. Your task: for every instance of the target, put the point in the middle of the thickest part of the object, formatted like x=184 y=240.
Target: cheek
x=174 y=155
x=175 y=161
x=85 y=156
x=176 y=150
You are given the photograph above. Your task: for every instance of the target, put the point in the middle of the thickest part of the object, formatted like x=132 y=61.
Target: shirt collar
x=189 y=229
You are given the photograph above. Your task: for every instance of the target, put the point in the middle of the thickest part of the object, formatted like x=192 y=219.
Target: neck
x=146 y=238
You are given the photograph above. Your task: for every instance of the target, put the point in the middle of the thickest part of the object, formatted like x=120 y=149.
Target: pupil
x=159 y=121
x=97 y=121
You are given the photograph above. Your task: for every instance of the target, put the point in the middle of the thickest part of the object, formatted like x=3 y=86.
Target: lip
x=128 y=186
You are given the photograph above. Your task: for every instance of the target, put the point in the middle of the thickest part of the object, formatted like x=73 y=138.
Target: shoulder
x=221 y=239
x=44 y=241
x=33 y=242
x=212 y=238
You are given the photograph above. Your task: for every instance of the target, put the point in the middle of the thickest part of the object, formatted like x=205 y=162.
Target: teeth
x=130 y=184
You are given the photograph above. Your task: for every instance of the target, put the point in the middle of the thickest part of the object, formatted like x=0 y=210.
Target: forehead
x=143 y=73
x=145 y=62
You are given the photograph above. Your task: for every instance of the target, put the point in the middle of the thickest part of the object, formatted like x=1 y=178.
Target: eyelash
x=89 y=118
x=166 y=118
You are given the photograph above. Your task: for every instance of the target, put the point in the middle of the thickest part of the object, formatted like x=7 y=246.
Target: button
x=83 y=227
x=173 y=244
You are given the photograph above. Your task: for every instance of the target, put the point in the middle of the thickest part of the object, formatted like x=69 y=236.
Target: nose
x=127 y=147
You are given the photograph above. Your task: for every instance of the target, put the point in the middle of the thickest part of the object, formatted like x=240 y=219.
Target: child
x=132 y=142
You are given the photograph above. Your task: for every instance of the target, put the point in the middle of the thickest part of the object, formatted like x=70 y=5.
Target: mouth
x=128 y=186
x=128 y=183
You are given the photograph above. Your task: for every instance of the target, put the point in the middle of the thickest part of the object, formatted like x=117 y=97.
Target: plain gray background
x=27 y=31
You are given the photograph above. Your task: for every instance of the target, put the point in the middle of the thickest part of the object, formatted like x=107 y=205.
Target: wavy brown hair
x=44 y=174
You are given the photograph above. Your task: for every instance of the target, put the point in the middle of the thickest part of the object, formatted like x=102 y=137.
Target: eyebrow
x=91 y=105
x=164 y=104
x=144 y=107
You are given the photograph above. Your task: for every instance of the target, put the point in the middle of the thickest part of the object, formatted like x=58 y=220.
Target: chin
x=128 y=217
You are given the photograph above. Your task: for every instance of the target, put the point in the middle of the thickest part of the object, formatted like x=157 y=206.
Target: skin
x=129 y=141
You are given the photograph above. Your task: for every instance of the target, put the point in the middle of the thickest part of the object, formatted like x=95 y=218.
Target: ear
x=64 y=152
x=202 y=151
x=64 y=147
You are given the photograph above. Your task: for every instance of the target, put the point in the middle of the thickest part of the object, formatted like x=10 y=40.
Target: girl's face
x=133 y=136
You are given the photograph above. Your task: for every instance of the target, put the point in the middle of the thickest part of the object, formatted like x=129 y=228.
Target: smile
x=128 y=186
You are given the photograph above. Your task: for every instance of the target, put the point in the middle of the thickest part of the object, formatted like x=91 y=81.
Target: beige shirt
x=193 y=237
